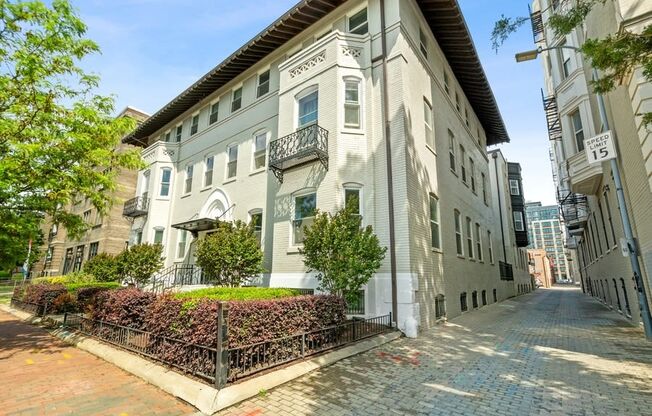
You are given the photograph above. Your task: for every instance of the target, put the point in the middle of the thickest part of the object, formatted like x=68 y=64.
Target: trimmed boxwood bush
x=238 y=293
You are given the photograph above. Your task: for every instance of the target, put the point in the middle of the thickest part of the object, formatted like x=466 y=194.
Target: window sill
x=257 y=171
x=206 y=188
x=186 y=195
x=431 y=149
x=163 y=198
x=459 y=256
x=293 y=250
x=472 y=259
x=437 y=250
x=352 y=130
x=230 y=180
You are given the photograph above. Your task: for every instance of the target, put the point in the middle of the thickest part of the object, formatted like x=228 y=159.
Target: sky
x=154 y=49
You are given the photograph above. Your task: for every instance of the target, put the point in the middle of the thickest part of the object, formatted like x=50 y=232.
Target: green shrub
x=104 y=267
x=74 y=287
x=138 y=263
x=238 y=293
x=4 y=274
x=72 y=278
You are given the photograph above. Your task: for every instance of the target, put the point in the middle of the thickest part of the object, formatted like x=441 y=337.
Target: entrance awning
x=197 y=225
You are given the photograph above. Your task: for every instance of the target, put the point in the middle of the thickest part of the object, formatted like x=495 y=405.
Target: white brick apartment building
x=303 y=116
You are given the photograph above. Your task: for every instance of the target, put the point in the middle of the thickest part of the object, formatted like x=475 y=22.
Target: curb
x=202 y=396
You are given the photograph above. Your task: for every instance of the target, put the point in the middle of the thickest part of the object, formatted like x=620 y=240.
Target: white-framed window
x=167 y=136
x=513 y=187
x=447 y=87
x=263 y=84
x=353 y=198
x=144 y=186
x=466 y=117
x=469 y=237
x=491 y=247
x=352 y=103
x=305 y=207
x=86 y=216
x=256 y=221
x=236 y=100
x=194 y=124
x=463 y=163
x=231 y=161
x=209 y=162
x=565 y=61
x=214 y=113
x=158 y=235
x=518 y=221
x=435 y=235
x=472 y=173
x=457 y=101
x=188 y=184
x=166 y=176
x=484 y=187
x=458 y=233
x=578 y=129
x=260 y=150
x=428 y=124
x=308 y=109
x=181 y=243
x=358 y=23
x=178 y=132
x=478 y=241
x=451 y=150
x=423 y=43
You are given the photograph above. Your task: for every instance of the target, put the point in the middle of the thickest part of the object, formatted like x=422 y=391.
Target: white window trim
x=520 y=219
x=204 y=184
x=478 y=243
x=459 y=219
x=359 y=187
x=228 y=179
x=185 y=244
x=250 y=214
x=294 y=248
x=192 y=117
x=518 y=189
x=431 y=126
x=268 y=135
x=468 y=225
x=358 y=80
x=303 y=93
x=423 y=42
x=155 y=229
x=180 y=135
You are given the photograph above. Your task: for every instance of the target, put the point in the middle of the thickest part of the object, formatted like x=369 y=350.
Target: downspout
x=388 y=152
x=500 y=206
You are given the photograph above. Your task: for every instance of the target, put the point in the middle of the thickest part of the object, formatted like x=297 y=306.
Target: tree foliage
x=342 y=253
x=58 y=139
x=616 y=55
x=104 y=267
x=231 y=255
x=139 y=263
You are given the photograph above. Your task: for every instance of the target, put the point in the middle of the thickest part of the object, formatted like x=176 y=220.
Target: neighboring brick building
x=108 y=234
x=541 y=267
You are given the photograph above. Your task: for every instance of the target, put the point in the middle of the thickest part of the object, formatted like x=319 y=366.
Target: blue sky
x=154 y=49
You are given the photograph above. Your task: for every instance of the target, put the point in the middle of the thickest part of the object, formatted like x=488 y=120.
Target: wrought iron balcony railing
x=136 y=207
x=574 y=209
x=304 y=145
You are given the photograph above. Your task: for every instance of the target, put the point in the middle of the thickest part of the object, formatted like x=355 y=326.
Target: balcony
x=574 y=210
x=584 y=177
x=136 y=207
x=506 y=271
x=161 y=152
x=303 y=146
x=552 y=116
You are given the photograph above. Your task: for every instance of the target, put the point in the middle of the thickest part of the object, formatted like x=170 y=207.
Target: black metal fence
x=356 y=306
x=35 y=309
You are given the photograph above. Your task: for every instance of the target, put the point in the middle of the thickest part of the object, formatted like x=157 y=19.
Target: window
x=158 y=236
x=423 y=43
x=472 y=173
x=427 y=119
x=451 y=150
x=597 y=233
x=86 y=216
x=352 y=200
x=194 y=124
x=260 y=150
x=478 y=241
x=308 y=109
x=458 y=233
x=620 y=307
x=232 y=161
x=263 y=84
x=189 y=172
x=435 y=237
x=491 y=247
x=495 y=293
x=466 y=117
x=565 y=61
x=167 y=136
x=166 y=174
x=177 y=134
x=304 y=215
x=518 y=221
x=484 y=187
x=144 y=186
x=440 y=307
x=257 y=224
x=484 y=297
x=352 y=103
x=93 y=249
x=457 y=101
x=604 y=225
x=49 y=255
x=79 y=258
x=67 y=264
x=463 y=305
x=463 y=163
x=611 y=224
x=208 y=170
x=139 y=237
x=628 y=310
x=513 y=187
x=469 y=237
x=214 y=113
x=474 y=298
x=358 y=23
x=236 y=100
x=446 y=83
x=181 y=243
x=578 y=130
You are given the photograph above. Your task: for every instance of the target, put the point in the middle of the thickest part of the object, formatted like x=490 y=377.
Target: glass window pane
x=305 y=206
x=308 y=109
x=352 y=199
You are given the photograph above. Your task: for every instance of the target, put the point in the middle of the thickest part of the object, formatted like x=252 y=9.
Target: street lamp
x=632 y=247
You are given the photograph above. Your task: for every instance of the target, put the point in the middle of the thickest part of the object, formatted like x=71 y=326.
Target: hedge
x=238 y=293
x=42 y=293
x=75 y=287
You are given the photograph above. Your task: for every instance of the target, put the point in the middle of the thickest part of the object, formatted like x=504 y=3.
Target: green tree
x=139 y=263
x=104 y=267
x=58 y=139
x=231 y=255
x=342 y=253
x=616 y=55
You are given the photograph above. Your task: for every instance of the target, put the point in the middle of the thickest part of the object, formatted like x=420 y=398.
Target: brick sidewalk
x=41 y=375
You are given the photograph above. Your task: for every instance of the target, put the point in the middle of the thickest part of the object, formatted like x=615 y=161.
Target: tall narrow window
x=458 y=233
x=518 y=221
x=93 y=249
x=463 y=305
x=604 y=225
x=352 y=200
x=236 y=100
x=181 y=243
x=513 y=187
x=491 y=247
x=466 y=117
x=166 y=175
x=263 y=84
x=189 y=173
x=469 y=237
x=215 y=110
x=144 y=190
x=304 y=215
x=352 y=103
x=194 y=125
x=427 y=119
x=484 y=187
x=478 y=241
x=566 y=61
x=260 y=150
x=472 y=173
x=232 y=161
x=447 y=83
x=158 y=236
x=167 y=136
x=208 y=170
x=611 y=224
x=257 y=224
x=178 y=132
x=79 y=258
x=308 y=109
x=440 y=306
x=451 y=150
x=423 y=43
x=578 y=130
x=463 y=163
x=358 y=23
x=435 y=237
x=457 y=101
x=597 y=233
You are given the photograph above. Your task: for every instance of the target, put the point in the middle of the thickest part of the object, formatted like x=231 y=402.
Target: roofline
x=443 y=16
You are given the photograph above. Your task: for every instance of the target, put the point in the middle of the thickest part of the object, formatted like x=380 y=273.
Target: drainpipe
x=388 y=152
x=500 y=206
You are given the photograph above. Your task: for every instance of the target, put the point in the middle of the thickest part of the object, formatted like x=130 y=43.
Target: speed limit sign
x=600 y=148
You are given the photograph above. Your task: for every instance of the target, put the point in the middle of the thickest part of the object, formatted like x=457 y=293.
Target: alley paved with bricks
x=39 y=375
x=552 y=352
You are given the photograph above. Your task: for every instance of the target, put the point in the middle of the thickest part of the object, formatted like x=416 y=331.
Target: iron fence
x=35 y=309
x=356 y=306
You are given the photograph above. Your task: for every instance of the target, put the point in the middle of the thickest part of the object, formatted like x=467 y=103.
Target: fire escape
x=552 y=116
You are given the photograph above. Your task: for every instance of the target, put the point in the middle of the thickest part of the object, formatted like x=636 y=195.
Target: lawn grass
x=238 y=293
